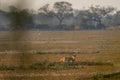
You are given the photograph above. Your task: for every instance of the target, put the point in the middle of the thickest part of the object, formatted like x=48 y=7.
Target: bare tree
x=45 y=8
x=60 y=10
x=98 y=13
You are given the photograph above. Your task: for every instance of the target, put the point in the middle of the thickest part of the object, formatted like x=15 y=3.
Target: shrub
x=97 y=76
x=4 y=67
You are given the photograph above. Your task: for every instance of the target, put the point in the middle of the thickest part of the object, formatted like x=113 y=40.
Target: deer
x=68 y=59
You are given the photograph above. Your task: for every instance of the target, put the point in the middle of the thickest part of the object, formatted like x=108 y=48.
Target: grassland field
x=26 y=48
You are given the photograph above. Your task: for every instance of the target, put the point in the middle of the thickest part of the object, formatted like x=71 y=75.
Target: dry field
x=24 y=48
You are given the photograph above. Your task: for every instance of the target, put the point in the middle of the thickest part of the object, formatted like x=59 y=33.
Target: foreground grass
x=55 y=65
x=109 y=76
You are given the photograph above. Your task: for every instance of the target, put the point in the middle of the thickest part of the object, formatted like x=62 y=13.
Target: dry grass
x=82 y=41
x=91 y=46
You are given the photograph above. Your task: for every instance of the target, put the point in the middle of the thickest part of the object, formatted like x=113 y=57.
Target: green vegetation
x=55 y=65
x=4 y=67
x=111 y=76
x=97 y=76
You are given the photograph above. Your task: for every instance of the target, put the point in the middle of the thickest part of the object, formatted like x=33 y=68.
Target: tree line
x=62 y=17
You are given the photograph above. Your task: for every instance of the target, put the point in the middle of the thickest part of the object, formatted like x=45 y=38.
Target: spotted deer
x=68 y=59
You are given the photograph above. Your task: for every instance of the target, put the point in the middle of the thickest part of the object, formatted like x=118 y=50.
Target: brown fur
x=68 y=59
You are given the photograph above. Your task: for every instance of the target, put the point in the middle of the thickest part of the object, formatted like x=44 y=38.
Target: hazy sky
x=77 y=4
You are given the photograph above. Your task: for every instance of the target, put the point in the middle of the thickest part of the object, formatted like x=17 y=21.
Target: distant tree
x=45 y=9
x=85 y=19
x=93 y=17
x=109 y=20
x=20 y=19
x=60 y=10
x=116 y=18
x=98 y=13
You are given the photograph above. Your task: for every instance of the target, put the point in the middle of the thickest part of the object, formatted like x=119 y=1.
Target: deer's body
x=68 y=59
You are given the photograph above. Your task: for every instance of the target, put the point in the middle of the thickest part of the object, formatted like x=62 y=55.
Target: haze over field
x=87 y=14
x=77 y=4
